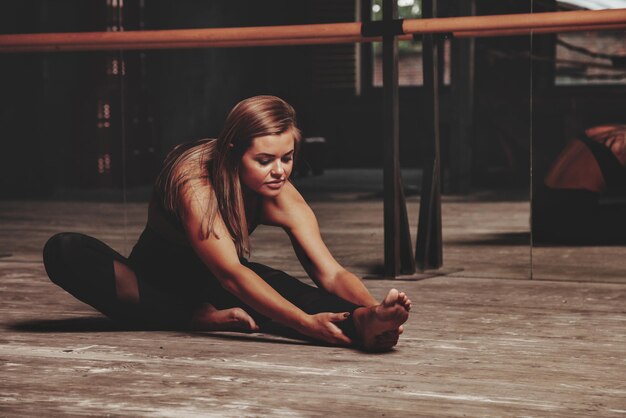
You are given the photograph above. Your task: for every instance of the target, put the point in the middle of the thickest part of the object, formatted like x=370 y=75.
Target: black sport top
x=164 y=257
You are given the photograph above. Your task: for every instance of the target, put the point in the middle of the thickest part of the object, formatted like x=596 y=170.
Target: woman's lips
x=275 y=184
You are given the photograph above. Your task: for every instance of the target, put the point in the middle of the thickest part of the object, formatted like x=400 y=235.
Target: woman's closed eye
x=268 y=161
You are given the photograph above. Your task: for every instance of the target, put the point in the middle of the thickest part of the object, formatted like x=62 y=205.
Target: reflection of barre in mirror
x=188 y=270
x=470 y=26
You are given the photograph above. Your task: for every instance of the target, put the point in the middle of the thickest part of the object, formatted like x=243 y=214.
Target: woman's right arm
x=219 y=253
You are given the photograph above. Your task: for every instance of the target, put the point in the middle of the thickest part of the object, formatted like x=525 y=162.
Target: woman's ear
x=231 y=145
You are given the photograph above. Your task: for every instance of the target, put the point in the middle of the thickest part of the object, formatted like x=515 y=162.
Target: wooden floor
x=482 y=341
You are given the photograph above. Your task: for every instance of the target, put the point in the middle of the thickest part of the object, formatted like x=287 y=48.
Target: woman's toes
x=238 y=314
x=391 y=298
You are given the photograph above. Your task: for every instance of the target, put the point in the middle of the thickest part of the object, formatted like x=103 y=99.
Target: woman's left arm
x=290 y=211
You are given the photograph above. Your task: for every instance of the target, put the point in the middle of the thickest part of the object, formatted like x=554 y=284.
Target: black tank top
x=164 y=257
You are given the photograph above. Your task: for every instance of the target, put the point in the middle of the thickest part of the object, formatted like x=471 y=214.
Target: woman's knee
x=56 y=253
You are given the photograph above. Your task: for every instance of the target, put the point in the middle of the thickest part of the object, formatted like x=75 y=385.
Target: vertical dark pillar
x=462 y=89
x=429 y=253
x=398 y=249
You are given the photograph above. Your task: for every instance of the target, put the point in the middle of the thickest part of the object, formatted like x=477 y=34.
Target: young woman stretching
x=188 y=268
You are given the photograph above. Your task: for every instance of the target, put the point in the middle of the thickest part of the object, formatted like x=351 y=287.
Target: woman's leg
x=374 y=328
x=310 y=299
x=96 y=274
x=84 y=268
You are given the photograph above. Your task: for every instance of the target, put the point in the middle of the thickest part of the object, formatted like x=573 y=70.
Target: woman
x=188 y=268
x=567 y=208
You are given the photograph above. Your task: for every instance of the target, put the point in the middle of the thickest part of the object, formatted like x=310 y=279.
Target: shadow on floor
x=504 y=238
x=376 y=271
x=523 y=239
x=79 y=324
x=271 y=333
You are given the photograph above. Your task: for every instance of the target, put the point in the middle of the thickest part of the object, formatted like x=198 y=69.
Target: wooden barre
x=524 y=21
x=333 y=33
x=537 y=31
x=292 y=42
x=196 y=44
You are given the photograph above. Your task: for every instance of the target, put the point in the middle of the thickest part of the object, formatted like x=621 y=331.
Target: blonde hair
x=218 y=160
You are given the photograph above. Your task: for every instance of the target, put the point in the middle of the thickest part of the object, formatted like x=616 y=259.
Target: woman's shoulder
x=184 y=175
x=285 y=209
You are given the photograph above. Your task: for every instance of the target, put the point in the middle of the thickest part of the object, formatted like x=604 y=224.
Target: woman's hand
x=322 y=326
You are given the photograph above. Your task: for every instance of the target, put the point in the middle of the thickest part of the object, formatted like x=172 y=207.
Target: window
x=334 y=67
x=591 y=58
x=409 y=52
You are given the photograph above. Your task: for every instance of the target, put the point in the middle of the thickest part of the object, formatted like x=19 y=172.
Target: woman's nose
x=278 y=169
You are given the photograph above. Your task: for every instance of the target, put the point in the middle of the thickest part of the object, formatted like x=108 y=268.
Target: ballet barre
x=315 y=34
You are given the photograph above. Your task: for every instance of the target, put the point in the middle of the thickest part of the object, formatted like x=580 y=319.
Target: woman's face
x=267 y=164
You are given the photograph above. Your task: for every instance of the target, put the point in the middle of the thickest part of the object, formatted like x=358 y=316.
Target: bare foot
x=388 y=339
x=380 y=326
x=208 y=318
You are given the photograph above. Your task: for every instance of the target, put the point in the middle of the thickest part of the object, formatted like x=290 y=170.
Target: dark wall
x=43 y=99
x=196 y=88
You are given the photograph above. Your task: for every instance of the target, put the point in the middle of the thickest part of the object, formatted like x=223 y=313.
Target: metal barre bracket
x=382 y=28
x=436 y=36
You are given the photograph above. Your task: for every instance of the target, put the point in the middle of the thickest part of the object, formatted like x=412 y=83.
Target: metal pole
x=391 y=144
x=398 y=247
x=429 y=248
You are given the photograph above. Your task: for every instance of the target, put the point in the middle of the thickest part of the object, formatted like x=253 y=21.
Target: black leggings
x=83 y=266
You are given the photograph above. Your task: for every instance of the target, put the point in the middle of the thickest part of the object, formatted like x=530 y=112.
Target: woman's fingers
x=342 y=339
x=328 y=331
x=339 y=336
x=338 y=317
x=253 y=325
